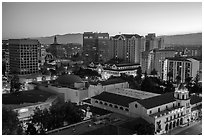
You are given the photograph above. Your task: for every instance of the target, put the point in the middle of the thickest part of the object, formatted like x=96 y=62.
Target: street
x=193 y=130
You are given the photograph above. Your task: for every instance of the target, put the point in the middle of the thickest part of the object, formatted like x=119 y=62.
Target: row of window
x=174 y=117
x=111 y=105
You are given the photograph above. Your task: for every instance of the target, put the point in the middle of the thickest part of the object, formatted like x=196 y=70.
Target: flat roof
x=126 y=69
x=23 y=97
x=109 y=82
x=178 y=58
x=157 y=100
x=115 y=99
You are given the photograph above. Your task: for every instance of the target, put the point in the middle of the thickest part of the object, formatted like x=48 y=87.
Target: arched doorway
x=170 y=126
x=181 y=121
x=177 y=124
x=174 y=124
x=166 y=127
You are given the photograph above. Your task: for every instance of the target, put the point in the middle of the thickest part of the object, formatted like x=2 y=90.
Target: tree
x=10 y=122
x=138 y=78
x=170 y=75
x=31 y=130
x=178 y=79
x=154 y=72
x=15 y=85
x=57 y=116
x=145 y=129
x=3 y=67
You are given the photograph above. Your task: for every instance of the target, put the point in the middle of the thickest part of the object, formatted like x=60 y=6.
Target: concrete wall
x=94 y=90
x=73 y=95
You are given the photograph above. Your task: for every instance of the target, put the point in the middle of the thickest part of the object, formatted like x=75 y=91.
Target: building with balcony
x=181 y=66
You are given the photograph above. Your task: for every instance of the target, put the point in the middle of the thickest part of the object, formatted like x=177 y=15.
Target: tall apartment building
x=95 y=47
x=183 y=67
x=153 y=42
x=155 y=59
x=126 y=47
x=24 y=56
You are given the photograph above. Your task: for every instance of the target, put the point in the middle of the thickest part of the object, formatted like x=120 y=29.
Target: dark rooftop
x=127 y=64
x=109 y=81
x=157 y=100
x=115 y=98
x=195 y=99
x=129 y=36
x=120 y=69
x=178 y=58
x=31 y=96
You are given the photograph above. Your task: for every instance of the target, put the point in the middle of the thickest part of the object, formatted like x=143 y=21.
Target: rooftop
x=68 y=79
x=109 y=82
x=115 y=99
x=31 y=96
x=157 y=100
x=178 y=58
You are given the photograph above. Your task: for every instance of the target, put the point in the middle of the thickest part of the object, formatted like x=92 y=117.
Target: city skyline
x=22 y=20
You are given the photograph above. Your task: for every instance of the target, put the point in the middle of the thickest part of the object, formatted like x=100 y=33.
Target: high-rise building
x=155 y=58
x=182 y=67
x=95 y=47
x=126 y=47
x=24 y=56
x=153 y=42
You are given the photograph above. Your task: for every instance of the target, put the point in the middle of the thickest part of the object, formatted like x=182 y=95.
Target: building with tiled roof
x=116 y=70
x=166 y=111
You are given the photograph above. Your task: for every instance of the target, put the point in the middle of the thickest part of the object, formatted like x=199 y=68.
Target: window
x=150 y=112
x=96 y=101
x=116 y=106
x=126 y=109
x=101 y=102
x=135 y=105
x=166 y=107
x=158 y=109
x=105 y=104
x=121 y=108
x=179 y=104
x=182 y=96
x=110 y=105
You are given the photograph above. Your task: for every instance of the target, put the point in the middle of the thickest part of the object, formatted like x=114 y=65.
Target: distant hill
x=62 y=39
x=184 y=39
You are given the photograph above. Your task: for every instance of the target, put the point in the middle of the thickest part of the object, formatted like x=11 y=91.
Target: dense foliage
x=10 y=122
x=57 y=116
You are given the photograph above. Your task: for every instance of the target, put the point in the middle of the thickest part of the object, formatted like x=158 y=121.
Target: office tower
x=95 y=47
x=126 y=47
x=24 y=56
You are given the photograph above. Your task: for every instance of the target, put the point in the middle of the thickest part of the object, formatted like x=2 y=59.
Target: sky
x=36 y=19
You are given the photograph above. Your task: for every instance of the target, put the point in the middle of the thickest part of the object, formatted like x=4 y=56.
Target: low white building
x=108 y=70
x=72 y=87
x=99 y=87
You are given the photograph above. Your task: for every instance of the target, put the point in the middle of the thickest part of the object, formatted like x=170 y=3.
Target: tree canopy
x=10 y=122
x=57 y=116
